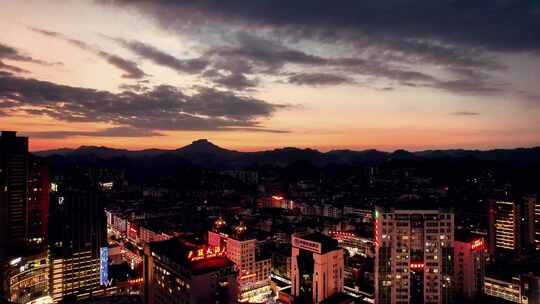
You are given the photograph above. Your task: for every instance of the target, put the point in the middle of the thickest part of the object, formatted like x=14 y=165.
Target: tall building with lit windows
x=531 y=207
x=13 y=193
x=38 y=201
x=504 y=226
x=469 y=265
x=243 y=248
x=537 y=224
x=78 y=249
x=413 y=256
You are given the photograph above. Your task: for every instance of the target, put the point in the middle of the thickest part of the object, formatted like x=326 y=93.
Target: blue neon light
x=104 y=266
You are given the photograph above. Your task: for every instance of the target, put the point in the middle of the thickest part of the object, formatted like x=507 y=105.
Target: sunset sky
x=261 y=74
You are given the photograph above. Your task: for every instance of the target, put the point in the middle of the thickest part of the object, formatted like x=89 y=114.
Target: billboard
x=104 y=266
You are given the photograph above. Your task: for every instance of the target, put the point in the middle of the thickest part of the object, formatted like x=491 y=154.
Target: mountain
x=204 y=152
x=203 y=146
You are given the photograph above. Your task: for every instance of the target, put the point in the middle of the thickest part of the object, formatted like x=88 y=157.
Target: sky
x=262 y=74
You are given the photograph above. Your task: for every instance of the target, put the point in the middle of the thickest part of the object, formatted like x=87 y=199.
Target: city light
x=15 y=261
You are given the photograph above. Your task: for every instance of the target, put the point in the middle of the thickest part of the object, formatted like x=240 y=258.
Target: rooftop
x=465 y=236
x=327 y=242
x=186 y=254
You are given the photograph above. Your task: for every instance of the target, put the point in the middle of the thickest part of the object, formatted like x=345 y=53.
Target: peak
x=202 y=146
x=203 y=141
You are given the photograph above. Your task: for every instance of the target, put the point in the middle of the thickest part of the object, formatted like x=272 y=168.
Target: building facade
x=26 y=279
x=504 y=229
x=469 y=266
x=13 y=193
x=253 y=265
x=354 y=244
x=77 y=239
x=180 y=272
x=317 y=268
x=38 y=201
x=413 y=256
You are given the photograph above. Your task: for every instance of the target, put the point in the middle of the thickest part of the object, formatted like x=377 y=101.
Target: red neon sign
x=477 y=244
x=416 y=265
x=133 y=231
x=205 y=253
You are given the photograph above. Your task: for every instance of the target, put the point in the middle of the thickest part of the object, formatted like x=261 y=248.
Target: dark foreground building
x=77 y=239
x=177 y=271
x=13 y=193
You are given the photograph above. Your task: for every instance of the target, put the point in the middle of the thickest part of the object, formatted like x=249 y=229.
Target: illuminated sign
x=205 y=252
x=307 y=245
x=104 y=265
x=277 y=197
x=477 y=244
x=417 y=266
x=107 y=185
x=341 y=233
x=133 y=231
x=136 y=281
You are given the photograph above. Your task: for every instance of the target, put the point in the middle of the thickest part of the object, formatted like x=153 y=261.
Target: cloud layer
x=391 y=39
x=160 y=108
x=130 y=68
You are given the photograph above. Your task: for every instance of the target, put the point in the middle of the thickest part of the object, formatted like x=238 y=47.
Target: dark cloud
x=391 y=38
x=4 y=73
x=269 y=55
x=159 y=57
x=10 y=53
x=7 y=52
x=138 y=87
x=232 y=80
x=319 y=79
x=11 y=68
x=465 y=113
x=110 y=132
x=469 y=86
x=130 y=68
x=497 y=25
x=266 y=56
x=161 y=108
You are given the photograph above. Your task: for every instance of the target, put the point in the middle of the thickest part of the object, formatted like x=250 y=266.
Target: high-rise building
x=413 y=256
x=13 y=192
x=532 y=221
x=254 y=264
x=176 y=271
x=504 y=229
x=38 y=200
x=469 y=265
x=317 y=268
x=77 y=239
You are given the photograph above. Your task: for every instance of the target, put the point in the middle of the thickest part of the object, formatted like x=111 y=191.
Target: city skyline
x=313 y=74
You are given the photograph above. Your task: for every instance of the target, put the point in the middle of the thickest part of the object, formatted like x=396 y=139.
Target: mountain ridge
x=203 y=150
